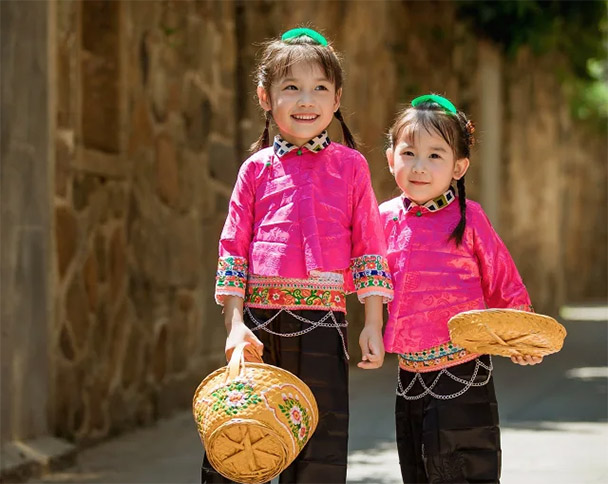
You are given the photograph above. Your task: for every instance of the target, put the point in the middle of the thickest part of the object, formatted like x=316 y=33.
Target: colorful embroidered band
x=272 y=292
x=443 y=102
x=372 y=277
x=432 y=359
x=294 y=33
x=231 y=278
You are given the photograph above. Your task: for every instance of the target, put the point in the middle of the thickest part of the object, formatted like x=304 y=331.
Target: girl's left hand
x=372 y=348
x=526 y=360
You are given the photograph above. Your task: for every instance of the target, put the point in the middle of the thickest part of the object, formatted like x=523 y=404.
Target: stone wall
x=146 y=158
x=155 y=110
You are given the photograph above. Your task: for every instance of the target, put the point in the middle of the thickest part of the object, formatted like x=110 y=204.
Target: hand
x=372 y=347
x=239 y=333
x=526 y=360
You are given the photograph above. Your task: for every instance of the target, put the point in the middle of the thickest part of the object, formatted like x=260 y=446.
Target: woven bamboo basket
x=506 y=332
x=253 y=418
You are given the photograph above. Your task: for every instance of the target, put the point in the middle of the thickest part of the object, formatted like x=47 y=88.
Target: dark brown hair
x=277 y=59
x=454 y=128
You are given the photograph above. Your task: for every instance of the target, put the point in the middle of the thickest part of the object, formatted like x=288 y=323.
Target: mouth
x=418 y=183
x=305 y=118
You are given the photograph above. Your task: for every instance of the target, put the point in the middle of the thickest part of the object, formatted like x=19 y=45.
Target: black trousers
x=318 y=359
x=455 y=440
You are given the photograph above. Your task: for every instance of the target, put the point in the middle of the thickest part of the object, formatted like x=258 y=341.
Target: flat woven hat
x=253 y=418
x=506 y=332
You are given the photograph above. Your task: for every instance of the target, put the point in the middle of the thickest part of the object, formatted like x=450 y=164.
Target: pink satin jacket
x=434 y=280
x=301 y=212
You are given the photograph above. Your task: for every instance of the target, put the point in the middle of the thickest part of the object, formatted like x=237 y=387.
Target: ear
x=460 y=168
x=390 y=157
x=338 y=97
x=264 y=98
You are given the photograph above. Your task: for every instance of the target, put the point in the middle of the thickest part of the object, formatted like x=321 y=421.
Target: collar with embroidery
x=433 y=205
x=281 y=147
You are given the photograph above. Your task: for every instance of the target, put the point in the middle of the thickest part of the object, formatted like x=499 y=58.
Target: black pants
x=318 y=359
x=454 y=440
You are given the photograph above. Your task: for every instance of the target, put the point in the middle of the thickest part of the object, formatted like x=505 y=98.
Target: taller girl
x=303 y=230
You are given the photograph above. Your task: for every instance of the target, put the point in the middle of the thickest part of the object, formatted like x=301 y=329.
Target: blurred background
x=123 y=126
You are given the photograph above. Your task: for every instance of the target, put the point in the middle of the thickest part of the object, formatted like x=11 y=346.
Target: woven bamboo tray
x=253 y=418
x=506 y=332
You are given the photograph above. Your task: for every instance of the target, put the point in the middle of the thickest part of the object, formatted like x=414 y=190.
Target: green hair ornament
x=443 y=102
x=299 y=32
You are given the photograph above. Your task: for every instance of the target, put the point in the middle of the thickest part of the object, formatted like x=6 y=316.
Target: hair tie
x=470 y=128
x=443 y=102
x=300 y=32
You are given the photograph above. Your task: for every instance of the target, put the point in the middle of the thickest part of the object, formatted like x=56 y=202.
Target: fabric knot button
x=300 y=152
x=268 y=163
x=395 y=219
x=419 y=213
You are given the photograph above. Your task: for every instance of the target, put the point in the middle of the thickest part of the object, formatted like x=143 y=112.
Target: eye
x=290 y=87
x=321 y=88
x=435 y=156
x=407 y=153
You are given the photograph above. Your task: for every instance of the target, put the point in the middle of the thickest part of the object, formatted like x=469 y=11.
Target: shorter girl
x=445 y=258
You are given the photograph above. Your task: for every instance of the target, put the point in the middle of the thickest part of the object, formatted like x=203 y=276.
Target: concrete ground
x=554 y=420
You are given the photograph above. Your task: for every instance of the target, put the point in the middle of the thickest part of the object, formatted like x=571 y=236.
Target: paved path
x=553 y=416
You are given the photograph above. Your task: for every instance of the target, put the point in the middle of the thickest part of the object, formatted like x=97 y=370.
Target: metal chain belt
x=313 y=324
x=429 y=390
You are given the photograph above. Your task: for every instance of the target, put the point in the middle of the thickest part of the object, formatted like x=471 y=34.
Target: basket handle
x=237 y=360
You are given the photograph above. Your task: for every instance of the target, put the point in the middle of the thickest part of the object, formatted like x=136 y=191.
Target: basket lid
x=506 y=332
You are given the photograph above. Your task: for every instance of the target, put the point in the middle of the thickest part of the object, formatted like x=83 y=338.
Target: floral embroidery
x=297 y=417
x=312 y=293
x=231 y=277
x=234 y=397
x=372 y=276
x=447 y=468
x=441 y=356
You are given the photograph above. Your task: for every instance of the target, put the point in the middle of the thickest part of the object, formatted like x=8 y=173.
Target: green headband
x=294 y=33
x=443 y=102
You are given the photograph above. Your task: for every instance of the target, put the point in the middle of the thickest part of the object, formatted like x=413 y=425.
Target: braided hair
x=457 y=131
x=276 y=61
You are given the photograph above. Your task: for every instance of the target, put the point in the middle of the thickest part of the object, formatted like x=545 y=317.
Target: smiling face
x=424 y=164
x=302 y=102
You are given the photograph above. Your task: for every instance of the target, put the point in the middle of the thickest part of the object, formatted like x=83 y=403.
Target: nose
x=306 y=99
x=418 y=166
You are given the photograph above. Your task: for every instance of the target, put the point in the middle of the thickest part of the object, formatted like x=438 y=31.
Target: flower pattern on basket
x=297 y=417
x=292 y=411
x=234 y=397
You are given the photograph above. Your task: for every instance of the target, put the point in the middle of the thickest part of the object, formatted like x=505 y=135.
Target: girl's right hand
x=240 y=333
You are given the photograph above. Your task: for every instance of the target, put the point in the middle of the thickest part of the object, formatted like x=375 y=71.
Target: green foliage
x=577 y=29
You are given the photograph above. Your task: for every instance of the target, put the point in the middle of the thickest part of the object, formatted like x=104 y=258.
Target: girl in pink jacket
x=303 y=230
x=445 y=258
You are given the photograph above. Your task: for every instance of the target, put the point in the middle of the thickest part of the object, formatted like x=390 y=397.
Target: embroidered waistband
x=321 y=291
x=435 y=358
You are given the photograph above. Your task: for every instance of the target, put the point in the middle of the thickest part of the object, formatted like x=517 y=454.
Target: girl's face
x=302 y=103
x=424 y=166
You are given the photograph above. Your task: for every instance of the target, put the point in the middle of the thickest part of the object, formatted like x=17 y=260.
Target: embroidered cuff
x=372 y=277
x=231 y=278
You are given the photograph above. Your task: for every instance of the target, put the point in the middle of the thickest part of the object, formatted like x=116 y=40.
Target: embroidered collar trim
x=281 y=147
x=433 y=205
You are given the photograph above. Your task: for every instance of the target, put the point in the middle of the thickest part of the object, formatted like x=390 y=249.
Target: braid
x=264 y=140
x=349 y=140
x=458 y=232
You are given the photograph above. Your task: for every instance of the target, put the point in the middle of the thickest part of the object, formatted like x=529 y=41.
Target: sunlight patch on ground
x=584 y=313
x=588 y=373
x=379 y=465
